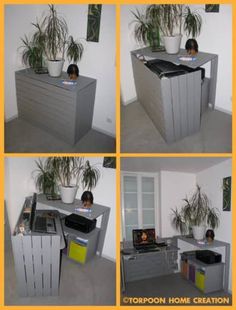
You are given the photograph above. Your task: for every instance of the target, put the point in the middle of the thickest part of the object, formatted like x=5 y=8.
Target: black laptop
x=42 y=223
x=144 y=239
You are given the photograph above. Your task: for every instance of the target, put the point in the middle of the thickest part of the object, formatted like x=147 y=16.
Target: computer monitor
x=143 y=237
x=33 y=210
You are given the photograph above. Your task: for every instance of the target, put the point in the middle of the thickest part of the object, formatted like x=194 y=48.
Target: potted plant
x=195 y=215
x=55 y=43
x=169 y=20
x=146 y=29
x=70 y=172
x=45 y=179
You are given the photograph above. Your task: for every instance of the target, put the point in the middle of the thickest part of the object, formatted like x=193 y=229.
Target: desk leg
x=104 y=223
x=227 y=260
x=122 y=274
x=213 y=79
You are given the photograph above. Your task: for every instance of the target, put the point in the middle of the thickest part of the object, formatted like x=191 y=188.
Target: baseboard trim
x=129 y=101
x=223 y=110
x=11 y=118
x=104 y=131
x=111 y=259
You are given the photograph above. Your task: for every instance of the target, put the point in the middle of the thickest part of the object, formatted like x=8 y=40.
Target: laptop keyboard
x=41 y=223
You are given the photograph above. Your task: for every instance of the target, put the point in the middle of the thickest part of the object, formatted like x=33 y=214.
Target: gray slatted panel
x=42 y=120
x=45 y=86
x=148 y=88
x=55 y=100
x=46 y=255
x=55 y=262
x=190 y=85
x=205 y=95
x=196 y=98
x=84 y=111
x=19 y=264
x=168 y=110
x=175 y=93
x=28 y=254
x=38 y=269
x=213 y=80
x=183 y=104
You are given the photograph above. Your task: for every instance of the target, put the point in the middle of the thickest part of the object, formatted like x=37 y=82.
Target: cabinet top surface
x=201 y=57
x=96 y=210
x=81 y=82
x=214 y=244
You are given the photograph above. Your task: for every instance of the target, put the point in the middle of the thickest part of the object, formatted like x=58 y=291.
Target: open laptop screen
x=33 y=210
x=143 y=237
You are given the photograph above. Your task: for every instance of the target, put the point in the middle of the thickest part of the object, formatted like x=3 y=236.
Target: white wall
x=216 y=37
x=173 y=188
x=211 y=181
x=19 y=183
x=98 y=60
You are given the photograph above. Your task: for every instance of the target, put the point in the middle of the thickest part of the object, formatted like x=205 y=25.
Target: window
x=138 y=202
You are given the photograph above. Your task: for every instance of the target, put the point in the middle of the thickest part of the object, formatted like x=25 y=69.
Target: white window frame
x=139 y=176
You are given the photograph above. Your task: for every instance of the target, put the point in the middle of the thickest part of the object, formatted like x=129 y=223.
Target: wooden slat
x=183 y=104
x=174 y=84
x=27 y=249
x=196 y=100
x=38 y=270
x=18 y=254
x=55 y=256
x=47 y=87
x=46 y=255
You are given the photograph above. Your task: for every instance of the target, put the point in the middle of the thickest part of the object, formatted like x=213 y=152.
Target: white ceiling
x=183 y=164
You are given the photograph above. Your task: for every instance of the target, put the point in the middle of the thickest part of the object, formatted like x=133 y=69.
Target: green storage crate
x=77 y=252
x=200 y=280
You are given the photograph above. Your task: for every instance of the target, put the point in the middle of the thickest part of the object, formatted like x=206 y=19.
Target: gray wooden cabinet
x=65 y=111
x=174 y=104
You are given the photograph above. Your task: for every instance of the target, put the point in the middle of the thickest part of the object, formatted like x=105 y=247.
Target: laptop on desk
x=43 y=222
x=144 y=239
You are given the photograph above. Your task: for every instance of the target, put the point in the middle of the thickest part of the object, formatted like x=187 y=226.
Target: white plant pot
x=68 y=193
x=199 y=232
x=172 y=44
x=55 y=67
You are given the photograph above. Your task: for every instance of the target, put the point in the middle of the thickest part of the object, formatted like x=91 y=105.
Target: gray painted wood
x=149 y=265
x=96 y=212
x=55 y=265
x=18 y=254
x=173 y=104
x=38 y=270
x=46 y=257
x=205 y=95
x=65 y=111
x=213 y=81
x=28 y=255
x=201 y=57
x=37 y=260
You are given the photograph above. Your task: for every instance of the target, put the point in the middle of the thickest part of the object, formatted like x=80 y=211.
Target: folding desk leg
x=212 y=86
x=102 y=234
x=227 y=260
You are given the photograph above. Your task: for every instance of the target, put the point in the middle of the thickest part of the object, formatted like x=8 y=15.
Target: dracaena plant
x=50 y=40
x=196 y=211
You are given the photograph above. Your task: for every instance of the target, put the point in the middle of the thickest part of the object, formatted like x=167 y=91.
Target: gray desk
x=37 y=259
x=97 y=211
x=201 y=59
x=174 y=104
x=136 y=266
x=65 y=111
x=214 y=244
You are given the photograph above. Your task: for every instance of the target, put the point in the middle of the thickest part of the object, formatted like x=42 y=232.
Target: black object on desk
x=80 y=223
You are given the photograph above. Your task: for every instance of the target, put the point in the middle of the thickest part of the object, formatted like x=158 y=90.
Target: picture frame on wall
x=227 y=194
x=212 y=8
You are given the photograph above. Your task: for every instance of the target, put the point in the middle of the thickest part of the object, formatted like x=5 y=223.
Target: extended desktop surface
x=37 y=255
